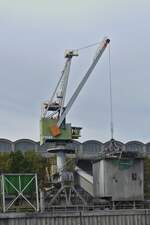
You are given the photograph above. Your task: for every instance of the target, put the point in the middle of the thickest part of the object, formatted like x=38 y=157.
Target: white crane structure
x=54 y=112
x=53 y=122
x=56 y=102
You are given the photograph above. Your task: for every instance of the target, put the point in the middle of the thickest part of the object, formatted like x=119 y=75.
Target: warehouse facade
x=87 y=149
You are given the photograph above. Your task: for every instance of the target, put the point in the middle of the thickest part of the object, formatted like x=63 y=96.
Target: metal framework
x=55 y=106
x=53 y=118
x=68 y=191
x=54 y=127
x=99 y=52
x=15 y=189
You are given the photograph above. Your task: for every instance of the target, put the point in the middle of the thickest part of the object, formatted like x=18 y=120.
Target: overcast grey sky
x=33 y=37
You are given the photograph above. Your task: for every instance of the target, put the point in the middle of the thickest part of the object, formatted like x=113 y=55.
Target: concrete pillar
x=60 y=161
x=42 y=201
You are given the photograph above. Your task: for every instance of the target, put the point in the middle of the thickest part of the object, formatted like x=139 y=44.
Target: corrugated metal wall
x=120 y=217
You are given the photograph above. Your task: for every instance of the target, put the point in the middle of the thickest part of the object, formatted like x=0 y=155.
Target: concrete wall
x=6 y=145
x=122 y=182
x=120 y=217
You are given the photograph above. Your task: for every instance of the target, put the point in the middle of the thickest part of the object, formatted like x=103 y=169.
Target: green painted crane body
x=67 y=133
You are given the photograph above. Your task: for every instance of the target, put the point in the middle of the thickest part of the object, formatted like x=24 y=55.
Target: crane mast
x=53 y=120
x=55 y=105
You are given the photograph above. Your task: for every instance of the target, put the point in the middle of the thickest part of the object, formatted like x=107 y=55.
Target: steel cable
x=110 y=96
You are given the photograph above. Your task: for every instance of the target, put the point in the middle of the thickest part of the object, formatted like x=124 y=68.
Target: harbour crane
x=53 y=117
x=54 y=128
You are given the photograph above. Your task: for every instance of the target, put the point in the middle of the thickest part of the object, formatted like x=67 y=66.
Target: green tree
x=16 y=162
x=4 y=162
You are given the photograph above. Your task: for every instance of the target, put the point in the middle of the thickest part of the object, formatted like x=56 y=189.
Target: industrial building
x=87 y=149
x=97 y=174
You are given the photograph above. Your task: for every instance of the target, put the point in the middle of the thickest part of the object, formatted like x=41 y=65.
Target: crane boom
x=56 y=103
x=99 y=53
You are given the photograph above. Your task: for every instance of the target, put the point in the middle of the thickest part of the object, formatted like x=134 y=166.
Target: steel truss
x=12 y=192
